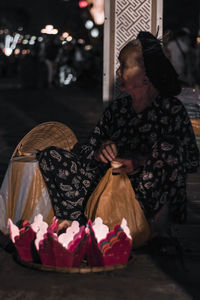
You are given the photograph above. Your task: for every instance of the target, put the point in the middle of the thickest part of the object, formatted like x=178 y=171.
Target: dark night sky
x=64 y=14
x=35 y=14
x=181 y=13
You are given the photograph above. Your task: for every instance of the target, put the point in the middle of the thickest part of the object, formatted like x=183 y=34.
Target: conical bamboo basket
x=44 y=135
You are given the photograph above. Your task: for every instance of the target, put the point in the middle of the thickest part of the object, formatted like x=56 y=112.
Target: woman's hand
x=107 y=152
x=127 y=166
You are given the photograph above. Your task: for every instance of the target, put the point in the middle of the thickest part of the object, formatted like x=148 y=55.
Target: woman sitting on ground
x=148 y=131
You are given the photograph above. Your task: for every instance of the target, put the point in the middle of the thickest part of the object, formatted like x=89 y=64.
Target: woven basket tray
x=44 y=135
x=83 y=268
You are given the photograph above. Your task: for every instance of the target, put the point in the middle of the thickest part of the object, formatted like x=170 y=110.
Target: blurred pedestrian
x=179 y=54
x=51 y=52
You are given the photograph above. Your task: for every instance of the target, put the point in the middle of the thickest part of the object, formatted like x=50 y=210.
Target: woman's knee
x=45 y=152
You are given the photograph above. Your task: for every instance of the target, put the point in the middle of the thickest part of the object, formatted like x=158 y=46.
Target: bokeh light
x=69 y=38
x=94 y=32
x=89 y=24
x=83 y=4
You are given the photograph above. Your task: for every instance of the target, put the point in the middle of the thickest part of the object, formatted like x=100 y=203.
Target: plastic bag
x=114 y=199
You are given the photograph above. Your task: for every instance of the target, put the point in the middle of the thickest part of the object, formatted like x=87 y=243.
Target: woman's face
x=130 y=73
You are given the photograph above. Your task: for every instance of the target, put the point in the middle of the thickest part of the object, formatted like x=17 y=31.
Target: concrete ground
x=148 y=276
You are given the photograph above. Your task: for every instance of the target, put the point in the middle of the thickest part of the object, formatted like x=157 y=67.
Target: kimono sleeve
x=101 y=133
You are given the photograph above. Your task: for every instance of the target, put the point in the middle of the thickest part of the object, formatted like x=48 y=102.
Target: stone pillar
x=123 y=20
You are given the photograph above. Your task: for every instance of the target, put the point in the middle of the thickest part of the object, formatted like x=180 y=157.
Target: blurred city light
x=71 y=49
x=69 y=38
x=31 y=42
x=54 y=31
x=89 y=24
x=17 y=51
x=15 y=40
x=8 y=40
x=25 y=42
x=94 y=32
x=88 y=47
x=40 y=39
x=81 y=41
x=49 y=29
x=83 y=4
x=97 y=10
x=8 y=51
x=65 y=35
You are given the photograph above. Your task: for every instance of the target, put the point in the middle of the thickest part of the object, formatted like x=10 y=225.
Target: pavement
x=147 y=276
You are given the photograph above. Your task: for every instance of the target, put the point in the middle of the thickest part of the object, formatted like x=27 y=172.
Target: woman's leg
x=69 y=180
x=163 y=181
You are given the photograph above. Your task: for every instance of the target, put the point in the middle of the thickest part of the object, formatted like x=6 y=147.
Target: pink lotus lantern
x=108 y=248
x=24 y=238
x=94 y=242
x=65 y=250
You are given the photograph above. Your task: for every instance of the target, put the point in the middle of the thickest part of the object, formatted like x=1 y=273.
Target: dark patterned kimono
x=162 y=132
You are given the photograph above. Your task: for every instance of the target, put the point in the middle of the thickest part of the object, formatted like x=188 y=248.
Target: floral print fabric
x=162 y=132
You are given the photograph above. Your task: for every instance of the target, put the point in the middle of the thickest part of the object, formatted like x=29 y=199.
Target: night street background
x=27 y=100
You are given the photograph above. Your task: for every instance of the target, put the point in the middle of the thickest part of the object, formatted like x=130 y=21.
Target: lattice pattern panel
x=131 y=16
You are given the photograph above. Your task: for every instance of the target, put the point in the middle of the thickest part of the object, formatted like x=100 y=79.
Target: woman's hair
x=136 y=47
x=159 y=70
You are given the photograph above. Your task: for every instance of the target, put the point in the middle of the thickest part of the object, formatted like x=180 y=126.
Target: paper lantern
x=94 y=242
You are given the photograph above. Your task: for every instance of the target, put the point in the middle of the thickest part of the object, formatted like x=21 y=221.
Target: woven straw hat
x=44 y=135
